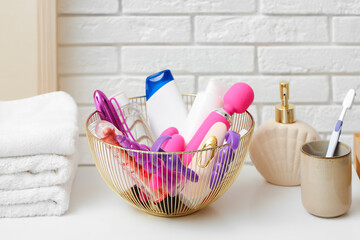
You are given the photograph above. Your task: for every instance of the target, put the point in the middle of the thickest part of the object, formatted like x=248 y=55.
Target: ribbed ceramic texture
x=133 y=184
x=275 y=151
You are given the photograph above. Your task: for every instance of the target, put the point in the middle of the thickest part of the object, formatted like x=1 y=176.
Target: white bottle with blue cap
x=164 y=104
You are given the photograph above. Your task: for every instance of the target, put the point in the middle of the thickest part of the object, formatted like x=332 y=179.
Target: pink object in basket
x=211 y=134
x=237 y=99
x=143 y=179
x=176 y=143
x=170 y=131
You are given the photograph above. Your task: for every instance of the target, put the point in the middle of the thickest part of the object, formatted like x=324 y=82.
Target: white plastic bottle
x=164 y=104
x=205 y=102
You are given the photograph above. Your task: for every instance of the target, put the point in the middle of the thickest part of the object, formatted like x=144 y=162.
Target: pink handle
x=195 y=142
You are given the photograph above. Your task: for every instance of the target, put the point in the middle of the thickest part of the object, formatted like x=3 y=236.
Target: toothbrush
x=347 y=103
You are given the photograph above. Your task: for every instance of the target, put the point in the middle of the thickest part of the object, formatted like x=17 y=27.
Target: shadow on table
x=244 y=198
x=86 y=189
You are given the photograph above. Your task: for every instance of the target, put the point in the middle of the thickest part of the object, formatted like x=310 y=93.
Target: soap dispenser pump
x=275 y=149
x=284 y=112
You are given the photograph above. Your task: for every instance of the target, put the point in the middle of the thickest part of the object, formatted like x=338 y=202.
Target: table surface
x=251 y=208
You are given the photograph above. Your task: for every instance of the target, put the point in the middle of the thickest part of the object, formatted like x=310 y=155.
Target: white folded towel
x=44 y=124
x=44 y=201
x=35 y=171
x=38 y=138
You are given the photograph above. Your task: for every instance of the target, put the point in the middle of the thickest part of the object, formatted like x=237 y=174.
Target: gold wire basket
x=169 y=193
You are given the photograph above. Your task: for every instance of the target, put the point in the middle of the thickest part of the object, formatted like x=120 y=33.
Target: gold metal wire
x=131 y=182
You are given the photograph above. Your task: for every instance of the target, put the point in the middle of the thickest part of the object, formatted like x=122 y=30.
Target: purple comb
x=225 y=157
x=173 y=161
x=108 y=112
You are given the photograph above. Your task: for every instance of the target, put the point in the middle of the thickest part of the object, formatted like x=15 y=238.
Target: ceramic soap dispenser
x=275 y=149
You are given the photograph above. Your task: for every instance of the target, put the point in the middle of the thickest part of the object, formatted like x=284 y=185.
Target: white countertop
x=251 y=209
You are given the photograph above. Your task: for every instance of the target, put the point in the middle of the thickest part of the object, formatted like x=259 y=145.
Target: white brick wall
x=188 y=6
x=113 y=45
x=88 y=60
x=294 y=59
x=98 y=30
x=342 y=7
x=266 y=88
x=260 y=29
x=88 y=6
x=346 y=29
x=187 y=59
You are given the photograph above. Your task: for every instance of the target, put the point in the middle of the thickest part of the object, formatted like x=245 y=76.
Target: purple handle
x=233 y=138
x=151 y=163
x=148 y=164
x=173 y=161
x=226 y=156
x=106 y=110
x=338 y=126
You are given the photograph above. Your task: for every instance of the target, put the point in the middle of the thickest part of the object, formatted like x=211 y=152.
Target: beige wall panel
x=18 y=49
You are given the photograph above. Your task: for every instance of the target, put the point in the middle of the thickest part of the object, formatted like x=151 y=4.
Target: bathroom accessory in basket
x=146 y=192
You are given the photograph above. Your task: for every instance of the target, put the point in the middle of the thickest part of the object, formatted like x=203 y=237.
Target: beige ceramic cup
x=325 y=182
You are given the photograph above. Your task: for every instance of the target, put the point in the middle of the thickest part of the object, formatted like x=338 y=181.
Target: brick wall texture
x=113 y=45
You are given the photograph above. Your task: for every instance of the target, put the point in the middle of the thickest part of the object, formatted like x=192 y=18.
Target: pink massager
x=211 y=134
x=237 y=99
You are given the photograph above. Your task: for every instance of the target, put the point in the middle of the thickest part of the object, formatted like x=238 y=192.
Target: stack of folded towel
x=38 y=138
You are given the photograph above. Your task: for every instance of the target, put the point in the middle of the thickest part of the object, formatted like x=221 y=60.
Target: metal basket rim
x=88 y=133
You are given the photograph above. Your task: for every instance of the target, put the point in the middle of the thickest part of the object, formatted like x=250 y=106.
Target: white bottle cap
x=212 y=87
x=217 y=88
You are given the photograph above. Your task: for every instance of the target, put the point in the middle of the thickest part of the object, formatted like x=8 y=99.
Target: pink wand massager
x=237 y=99
x=211 y=134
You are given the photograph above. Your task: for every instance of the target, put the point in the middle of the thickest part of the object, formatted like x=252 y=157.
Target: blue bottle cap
x=157 y=81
